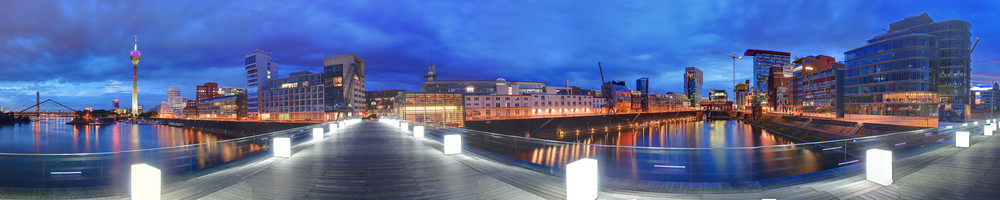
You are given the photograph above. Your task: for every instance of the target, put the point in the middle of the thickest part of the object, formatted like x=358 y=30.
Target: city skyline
x=77 y=59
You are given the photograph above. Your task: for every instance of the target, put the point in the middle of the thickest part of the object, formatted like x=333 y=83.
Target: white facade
x=175 y=103
x=260 y=69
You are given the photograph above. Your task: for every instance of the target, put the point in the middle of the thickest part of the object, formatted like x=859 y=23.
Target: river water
x=700 y=151
x=50 y=153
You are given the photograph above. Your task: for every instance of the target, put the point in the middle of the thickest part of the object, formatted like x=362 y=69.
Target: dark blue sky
x=76 y=52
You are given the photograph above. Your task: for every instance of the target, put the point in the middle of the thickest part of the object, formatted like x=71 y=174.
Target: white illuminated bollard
x=581 y=179
x=282 y=147
x=452 y=144
x=317 y=134
x=418 y=131
x=878 y=166
x=333 y=128
x=962 y=139
x=145 y=182
x=988 y=130
x=403 y=126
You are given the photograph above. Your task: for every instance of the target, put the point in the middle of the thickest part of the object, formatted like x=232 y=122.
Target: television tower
x=135 y=55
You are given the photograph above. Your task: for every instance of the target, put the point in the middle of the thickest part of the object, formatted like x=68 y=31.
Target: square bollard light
x=282 y=147
x=962 y=139
x=418 y=131
x=145 y=182
x=452 y=144
x=403 y=126
x=988 y=130
x=317 y=134
x=333 y=128
x=581 y=179
x=878 y=166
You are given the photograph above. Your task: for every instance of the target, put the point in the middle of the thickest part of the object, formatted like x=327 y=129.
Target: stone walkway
x=375 y=161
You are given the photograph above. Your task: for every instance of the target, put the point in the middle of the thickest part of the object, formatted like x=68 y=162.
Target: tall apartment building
x=260 y=69
x=344 y=85
x=918 y=68
x=692 y=85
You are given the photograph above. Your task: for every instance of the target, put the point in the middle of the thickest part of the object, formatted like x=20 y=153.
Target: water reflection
x=53 y=136
x=696 y=165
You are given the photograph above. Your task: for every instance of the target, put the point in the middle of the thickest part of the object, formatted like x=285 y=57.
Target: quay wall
x=236 y=128
x=551 y=125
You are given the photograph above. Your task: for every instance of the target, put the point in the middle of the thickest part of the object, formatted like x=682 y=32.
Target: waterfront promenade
x=372 y=160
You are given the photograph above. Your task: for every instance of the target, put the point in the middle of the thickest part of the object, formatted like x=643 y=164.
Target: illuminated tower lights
x=135 y=56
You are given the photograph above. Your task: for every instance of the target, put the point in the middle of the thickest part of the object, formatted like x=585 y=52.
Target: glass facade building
x=918 y=68
x=692 y=85
x=763 y=60
x=440 y=109
x=297 y=97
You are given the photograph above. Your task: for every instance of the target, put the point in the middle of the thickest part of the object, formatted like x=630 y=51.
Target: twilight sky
x=76 y=52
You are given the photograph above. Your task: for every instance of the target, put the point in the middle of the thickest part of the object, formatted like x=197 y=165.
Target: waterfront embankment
x=235 y=128
x=552 y=125
x=821 y=129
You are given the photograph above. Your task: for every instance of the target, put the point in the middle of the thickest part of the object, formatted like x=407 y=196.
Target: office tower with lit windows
x=692 y=85
x=260 y=70
x=344 y=85
x=918 y=68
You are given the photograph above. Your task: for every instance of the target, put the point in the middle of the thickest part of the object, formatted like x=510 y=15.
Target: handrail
x=704 y=148
x=164 y=148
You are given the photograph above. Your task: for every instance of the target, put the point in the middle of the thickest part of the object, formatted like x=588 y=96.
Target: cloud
x=71 y=46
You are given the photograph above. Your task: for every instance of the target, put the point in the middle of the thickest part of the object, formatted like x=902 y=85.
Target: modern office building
x=692 y=85
x=190 y=109
x=432 y=108
x=763 y=60
x=718 y=96
x=223 y=107
x=260 y=69
x=230 y=90
x=918 y=68
x=344 y=85
x=298 y=97
x=208 y=90
x=175 y=103
x=380 y=102
x=642 y=100
x=990 y=99
x=642 y=85
x=483 y=87
x=114 y=104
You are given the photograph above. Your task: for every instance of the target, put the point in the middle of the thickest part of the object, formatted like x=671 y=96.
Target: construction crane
x=734 y=57
x=606 y=100
x=974 y=46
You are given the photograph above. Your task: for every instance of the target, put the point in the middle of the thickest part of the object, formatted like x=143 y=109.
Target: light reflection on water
x=53 y=136
x=697 y=165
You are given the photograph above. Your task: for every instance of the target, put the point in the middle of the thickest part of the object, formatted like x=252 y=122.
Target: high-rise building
x=114 y=104
x=260 y=70
x=135 y=56
x=918 y=68
x=763 y=60
x=175 y=103
x=692 y=85
x=344 y=85
x=642 y=85
x=208 y=90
